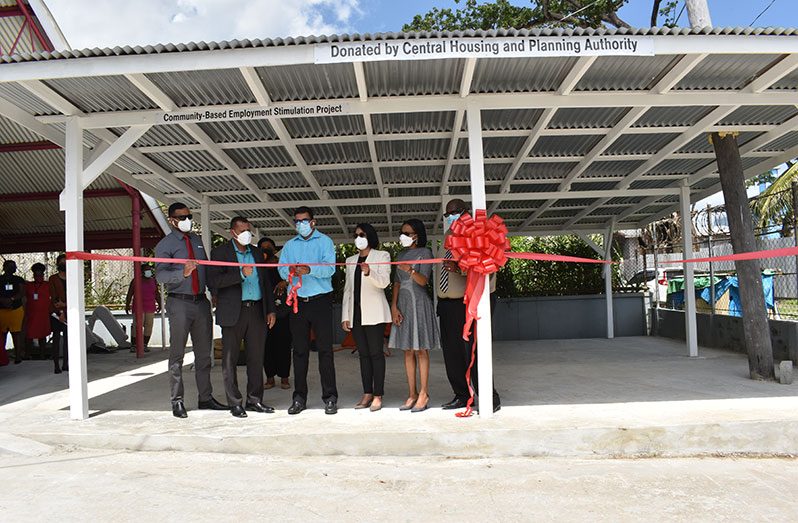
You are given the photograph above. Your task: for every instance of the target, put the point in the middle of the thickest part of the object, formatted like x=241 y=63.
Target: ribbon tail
x=475 y=285
x=292 y=297
x=469 y=410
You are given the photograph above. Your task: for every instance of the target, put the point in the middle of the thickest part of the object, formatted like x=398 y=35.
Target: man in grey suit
x=187 y=308
x=244 y=309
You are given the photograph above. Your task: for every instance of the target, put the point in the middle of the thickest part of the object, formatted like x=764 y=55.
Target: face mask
x=361 y=243
x=245 y=238
x=148 y=274
x=304 y=229
x=405 y=240
x=62 y=267
x=451 y=219
x=184 y=225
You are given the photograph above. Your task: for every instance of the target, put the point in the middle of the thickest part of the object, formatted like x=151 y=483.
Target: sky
x=109 y=23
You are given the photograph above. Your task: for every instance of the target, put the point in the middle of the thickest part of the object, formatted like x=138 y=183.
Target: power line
x=763 y=12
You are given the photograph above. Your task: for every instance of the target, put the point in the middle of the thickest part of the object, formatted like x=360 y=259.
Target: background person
x=310 y=246
x=415 y=329
x=58 y=319
x=37 y=308
x=244 y=310
x=187 y=308
x=150 y=301
x=277 y=351
x=365 y=311
x=12 y=311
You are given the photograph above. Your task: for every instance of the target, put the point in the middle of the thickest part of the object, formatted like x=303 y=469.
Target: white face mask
x=148 y=274
x=245 y=238
x=451 y=219
x=405 y=240
x=361 y=243
x=184 y=225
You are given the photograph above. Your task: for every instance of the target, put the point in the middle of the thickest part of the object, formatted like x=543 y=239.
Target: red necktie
x=195 y=289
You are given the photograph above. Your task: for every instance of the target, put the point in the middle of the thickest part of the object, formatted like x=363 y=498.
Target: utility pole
x=698 y=13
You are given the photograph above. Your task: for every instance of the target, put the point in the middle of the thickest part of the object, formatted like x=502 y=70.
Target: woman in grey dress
x=415 y=329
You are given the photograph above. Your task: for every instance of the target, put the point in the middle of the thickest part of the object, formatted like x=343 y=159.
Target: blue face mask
x=451 y=219
x=303 y=228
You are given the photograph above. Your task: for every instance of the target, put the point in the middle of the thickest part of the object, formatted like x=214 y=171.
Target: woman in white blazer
x=365 y=311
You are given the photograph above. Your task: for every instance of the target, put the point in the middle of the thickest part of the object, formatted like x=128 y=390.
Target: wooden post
x=749 y=274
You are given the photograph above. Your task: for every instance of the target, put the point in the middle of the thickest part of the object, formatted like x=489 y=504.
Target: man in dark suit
x=244 y=308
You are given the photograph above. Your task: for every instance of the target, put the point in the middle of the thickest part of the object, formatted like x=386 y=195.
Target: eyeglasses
x=184 y=217
x=360 y=235
x=452 y=213
x=297 y=222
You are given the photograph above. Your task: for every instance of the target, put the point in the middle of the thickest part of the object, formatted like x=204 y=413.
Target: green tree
x=775 y=205
x=503 y=13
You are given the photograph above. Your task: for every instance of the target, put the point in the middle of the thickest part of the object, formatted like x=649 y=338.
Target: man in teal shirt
x=310 y=247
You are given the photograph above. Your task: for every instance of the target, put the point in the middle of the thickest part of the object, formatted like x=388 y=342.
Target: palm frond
x=774 y=205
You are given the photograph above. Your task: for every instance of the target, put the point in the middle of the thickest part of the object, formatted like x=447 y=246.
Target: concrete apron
x=568 y=386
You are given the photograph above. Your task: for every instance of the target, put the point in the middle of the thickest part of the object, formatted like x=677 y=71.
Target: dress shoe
x=285 y=384
x=331 y=407
x=260 y=407
x=211 y=404
x=496 y=408
x=456 y=403
x=408 y=406
x=179 y=410
x=420 y=409
x=269 y=384
x=238 y=411
x=57 y=370
x=296 y=407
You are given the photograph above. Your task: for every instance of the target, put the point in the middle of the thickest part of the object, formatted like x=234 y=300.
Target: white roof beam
x=685 y=64
x=485 y=101
x=575 y=74
x=773 y=75
x=468 y=77
x=398 y=200
x=454 y=139
x=255 y=85
x=112 y=153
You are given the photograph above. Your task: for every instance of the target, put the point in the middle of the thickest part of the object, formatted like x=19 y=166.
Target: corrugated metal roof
x=672 y=116
x=640 y=143
x=611 y=168
x=623 y=73
x=38 y=171
x=437 y=149
x=788 y=141
x=12 y=132
x=261 y=157
x=507 y=75
x=345 y=125
x=183 y=161
x=509 y=119
x=101 y=93
x=389 y=123
x=586 y=117
x=239 y=131
x=324 y=153
x=267 y=181
x=202 y=88
x=333 y=177
x=23 y=99
x=413 y=77
x=309 y=81
x=564 y=145
x=544 y=171
x=725 y=71
x=161 y=135
x=412 y=174
x=678 y=166
x=760 y=115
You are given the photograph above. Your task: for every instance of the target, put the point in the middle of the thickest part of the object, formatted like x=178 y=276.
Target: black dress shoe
x=496 y=408
x=296 y=407
x=331 y=407
x=238 y=411
x=260 y=407
x=179 y=410
x=212 y=404
x=456 y=403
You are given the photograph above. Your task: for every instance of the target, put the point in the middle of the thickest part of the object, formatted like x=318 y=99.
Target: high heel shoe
x=409 y=407
x=364 y=405
x=420 y=409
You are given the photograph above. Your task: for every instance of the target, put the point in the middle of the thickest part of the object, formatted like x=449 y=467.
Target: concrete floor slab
x=596 y=397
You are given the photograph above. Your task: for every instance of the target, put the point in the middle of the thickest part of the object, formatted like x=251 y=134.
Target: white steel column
x=76 y=330
x=207 y=243
x=484 y=331
x=608 y=280
x=690 y=327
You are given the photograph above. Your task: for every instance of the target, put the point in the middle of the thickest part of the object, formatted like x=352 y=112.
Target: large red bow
x=478 y=244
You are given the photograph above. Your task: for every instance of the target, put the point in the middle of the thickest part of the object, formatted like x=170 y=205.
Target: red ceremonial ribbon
x=479 y=245
x=292 y=297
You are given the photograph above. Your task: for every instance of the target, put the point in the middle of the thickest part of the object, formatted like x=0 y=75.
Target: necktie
x=195 y=286
x=444 y=273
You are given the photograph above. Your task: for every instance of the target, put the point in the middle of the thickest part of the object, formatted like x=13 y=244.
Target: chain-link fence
x=717 y=291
